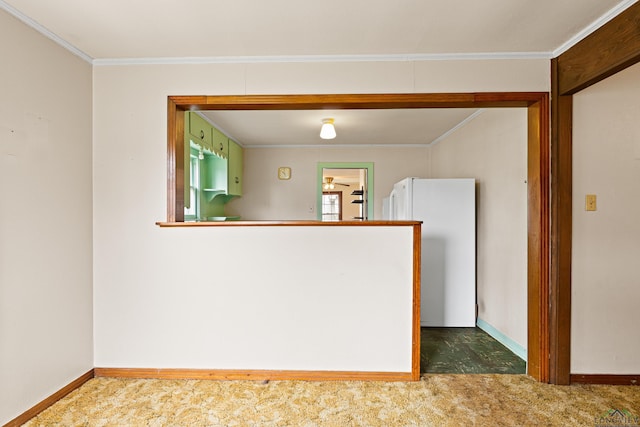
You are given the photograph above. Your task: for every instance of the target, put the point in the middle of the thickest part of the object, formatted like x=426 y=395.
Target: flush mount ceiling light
x=327 y=131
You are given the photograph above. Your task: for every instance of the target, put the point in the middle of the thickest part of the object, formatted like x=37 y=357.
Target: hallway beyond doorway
x=466 y=351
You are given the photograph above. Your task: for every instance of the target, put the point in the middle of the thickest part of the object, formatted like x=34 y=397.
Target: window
x=332 y=206
x=193 y=210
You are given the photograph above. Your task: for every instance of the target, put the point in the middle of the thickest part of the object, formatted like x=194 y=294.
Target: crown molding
x=456 y=127
x=321 y=58
x=44 y=31
x=617 y=10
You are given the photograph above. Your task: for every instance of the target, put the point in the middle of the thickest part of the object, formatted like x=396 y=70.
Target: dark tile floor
x=466 y=351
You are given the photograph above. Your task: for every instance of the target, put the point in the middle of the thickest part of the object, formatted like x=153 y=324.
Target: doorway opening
x=354 y=181
x=468 y=350
x=539 y=207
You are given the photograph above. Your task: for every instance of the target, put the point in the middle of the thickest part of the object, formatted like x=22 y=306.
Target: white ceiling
x=353 y=127
x=193 y=31
x=259 y=28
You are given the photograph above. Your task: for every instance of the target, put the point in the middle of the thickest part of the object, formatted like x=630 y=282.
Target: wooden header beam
x=612 y=48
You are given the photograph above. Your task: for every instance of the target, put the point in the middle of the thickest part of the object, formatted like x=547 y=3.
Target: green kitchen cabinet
x=200 y=131
x=235 y=169
x=213 y=176
x=220 y=144
x=217 y=161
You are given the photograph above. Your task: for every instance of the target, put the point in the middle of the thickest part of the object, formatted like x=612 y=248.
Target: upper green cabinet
x=200 y=131
x=221 y=162
x=235 y=169
x=220 y=144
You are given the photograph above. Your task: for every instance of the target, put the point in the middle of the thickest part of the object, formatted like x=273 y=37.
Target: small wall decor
x=284 y=172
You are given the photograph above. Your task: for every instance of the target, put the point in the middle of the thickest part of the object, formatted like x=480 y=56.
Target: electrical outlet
x=590 y=202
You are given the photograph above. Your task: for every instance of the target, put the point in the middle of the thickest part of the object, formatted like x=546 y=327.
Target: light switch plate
x=590 y=202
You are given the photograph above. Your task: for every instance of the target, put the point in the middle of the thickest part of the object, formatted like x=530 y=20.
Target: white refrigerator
x=447 y=209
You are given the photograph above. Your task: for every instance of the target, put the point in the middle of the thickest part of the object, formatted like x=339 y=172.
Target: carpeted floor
x=437 y=400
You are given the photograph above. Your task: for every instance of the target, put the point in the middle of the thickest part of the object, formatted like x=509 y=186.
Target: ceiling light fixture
x=327 y=131
x=328 y=185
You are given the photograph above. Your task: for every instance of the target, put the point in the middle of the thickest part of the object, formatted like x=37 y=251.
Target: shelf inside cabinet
x=213 y=192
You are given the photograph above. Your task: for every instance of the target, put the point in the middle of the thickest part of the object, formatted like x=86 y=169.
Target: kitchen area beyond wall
x=492 y=148
x=266 y=197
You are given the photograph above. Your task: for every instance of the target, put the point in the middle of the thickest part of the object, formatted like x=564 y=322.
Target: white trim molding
x=44 y=31
x=456 y=127
x=519 y=350
x=593 y=27
x=322 y=58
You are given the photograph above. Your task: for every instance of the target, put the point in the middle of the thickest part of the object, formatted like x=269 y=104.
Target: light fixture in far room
x=327 y=131
x=328 y=185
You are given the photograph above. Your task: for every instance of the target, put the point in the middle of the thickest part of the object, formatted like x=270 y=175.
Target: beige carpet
x=437 y=400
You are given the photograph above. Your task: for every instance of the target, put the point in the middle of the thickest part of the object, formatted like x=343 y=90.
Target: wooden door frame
x=608 y=50
x=539 y=161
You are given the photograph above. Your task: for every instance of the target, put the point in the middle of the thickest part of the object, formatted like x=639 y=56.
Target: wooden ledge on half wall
x=289 y=223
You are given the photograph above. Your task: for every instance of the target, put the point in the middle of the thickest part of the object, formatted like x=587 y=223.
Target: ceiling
x=343 y=179
x=255 y=28
x=301 y=128
x=210 y=31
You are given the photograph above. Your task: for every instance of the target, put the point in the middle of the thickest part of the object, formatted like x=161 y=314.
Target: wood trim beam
x=608 y=379
x=356 y=101
x=538 y=176
x=175 y=162
x=35 y=410
x=561 y=229
x=612 y=48
x=252 y=375
x=415 y=345
x=290 y=223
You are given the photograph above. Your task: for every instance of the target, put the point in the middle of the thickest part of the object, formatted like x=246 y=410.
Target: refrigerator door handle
x=392 y=205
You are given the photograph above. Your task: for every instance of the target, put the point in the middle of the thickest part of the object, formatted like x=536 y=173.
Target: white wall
x=349 y=210
x=606 y=243
x=267 y=197
x=493 y=149
x=269 y=297
x=132 y=266
x=45 y=218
